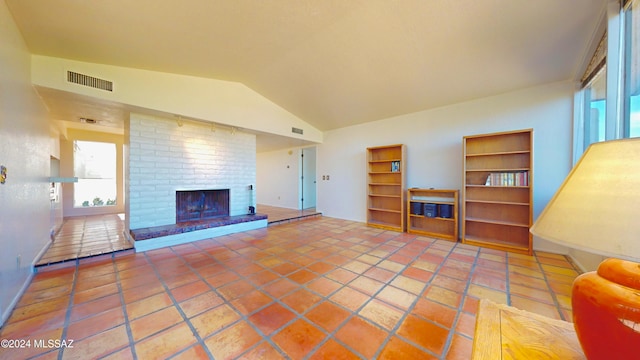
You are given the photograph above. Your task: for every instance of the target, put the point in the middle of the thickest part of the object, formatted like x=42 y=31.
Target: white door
x=308 y=178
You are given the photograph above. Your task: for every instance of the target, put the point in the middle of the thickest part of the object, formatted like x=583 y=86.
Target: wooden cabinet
x=443 y=223
x=386 y=166
x=497 y=197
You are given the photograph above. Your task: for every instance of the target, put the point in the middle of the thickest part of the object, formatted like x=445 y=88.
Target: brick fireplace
x=170 y=164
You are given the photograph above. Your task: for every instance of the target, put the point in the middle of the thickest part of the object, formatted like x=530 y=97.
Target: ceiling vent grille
x=86 y=80
x=296 y=130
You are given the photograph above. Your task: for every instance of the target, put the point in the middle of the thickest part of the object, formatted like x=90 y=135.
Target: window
x=95 y=168
x=592 y=118
x=595 y=113
x=608 y=103
x=632 y=70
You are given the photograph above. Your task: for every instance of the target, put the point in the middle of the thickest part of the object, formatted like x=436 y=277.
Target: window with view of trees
x=95 y=168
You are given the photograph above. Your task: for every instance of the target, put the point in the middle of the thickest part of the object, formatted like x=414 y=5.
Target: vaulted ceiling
x=332 y=63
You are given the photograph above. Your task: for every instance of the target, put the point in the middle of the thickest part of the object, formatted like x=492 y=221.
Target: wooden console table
x=504 y=332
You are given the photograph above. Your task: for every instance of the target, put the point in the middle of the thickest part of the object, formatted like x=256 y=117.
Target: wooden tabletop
x=504 y=332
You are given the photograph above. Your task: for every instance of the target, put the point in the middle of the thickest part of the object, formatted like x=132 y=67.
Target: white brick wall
x=164 y=157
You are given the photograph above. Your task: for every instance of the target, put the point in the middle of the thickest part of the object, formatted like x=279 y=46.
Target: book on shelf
x=395 y=166
x=518 y=178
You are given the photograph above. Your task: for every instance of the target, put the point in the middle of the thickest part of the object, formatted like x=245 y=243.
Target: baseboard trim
x=16 y=299
x=577 y=264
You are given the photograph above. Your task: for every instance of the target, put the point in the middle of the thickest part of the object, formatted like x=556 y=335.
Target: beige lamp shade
x=597 y=208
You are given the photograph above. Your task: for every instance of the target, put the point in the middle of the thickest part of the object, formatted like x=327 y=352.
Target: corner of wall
x=585 y=261
x=540 y=244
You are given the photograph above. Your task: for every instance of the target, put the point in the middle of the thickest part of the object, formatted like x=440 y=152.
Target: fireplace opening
x=201 y=204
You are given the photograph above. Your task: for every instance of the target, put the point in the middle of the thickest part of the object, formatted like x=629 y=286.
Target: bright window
x=595 y=112
x=620 y=64
x=632 y=70
x=95 y=168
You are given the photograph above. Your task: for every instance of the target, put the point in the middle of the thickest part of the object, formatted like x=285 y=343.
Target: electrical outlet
x=327 y=177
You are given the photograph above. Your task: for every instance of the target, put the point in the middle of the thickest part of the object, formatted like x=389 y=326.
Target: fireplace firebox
x=201 y=204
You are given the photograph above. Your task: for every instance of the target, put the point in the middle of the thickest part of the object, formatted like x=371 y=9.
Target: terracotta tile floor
x=320 y=288
x=86 y=236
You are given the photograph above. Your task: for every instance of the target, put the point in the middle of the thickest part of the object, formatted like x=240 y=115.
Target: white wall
x=165 y=157
x=434 y=145
x=277 y=174
x=25 y=151
x=223 y=102
x=584 y=260
x=57 y=214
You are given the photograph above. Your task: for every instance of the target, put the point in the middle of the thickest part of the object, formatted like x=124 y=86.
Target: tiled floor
x=86 y=236
x=320 y=288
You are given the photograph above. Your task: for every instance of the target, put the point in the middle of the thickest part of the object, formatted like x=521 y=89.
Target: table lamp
x=597 y=209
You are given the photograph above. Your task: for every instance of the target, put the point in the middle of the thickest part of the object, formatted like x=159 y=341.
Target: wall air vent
x=86 y=80
x=296 y=130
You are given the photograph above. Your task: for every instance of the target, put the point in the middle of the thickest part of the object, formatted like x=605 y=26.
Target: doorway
x=87 y=220
x=307 y=187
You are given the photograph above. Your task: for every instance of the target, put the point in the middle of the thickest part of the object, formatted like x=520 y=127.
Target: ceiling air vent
x=296 y=130
x=88 y=121
x=86 y=80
